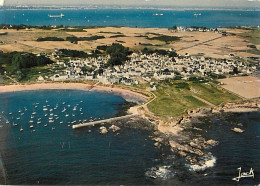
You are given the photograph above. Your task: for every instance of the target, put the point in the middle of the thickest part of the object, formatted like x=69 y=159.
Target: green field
x=176 y=97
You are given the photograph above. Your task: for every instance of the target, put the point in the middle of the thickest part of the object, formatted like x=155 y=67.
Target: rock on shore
x=103 y=130
x=114 y=128
x=238 y=130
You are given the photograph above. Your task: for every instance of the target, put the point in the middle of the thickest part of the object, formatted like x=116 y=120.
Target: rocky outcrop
x=114 y=128
x=212 y=142
x=238 y=130
x=103 y=130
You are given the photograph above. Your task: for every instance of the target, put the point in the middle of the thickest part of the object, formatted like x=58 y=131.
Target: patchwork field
x=243 y=43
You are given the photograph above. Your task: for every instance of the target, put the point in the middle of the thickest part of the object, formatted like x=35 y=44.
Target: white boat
x=31 y=126
x=15 y=124
x=53 y=128
x=21 y=129
x=18 y=118
x=75 y=108
x=10 y=113
x=67 y=115
x=39 y=122
x=57 y=16
x=31 y=121
x=63 y=110
x=20 y=111
x=44 y=109
x=45 y=125
x=51 y=121
x=32 y=117
x=34 y=113
x=199 y=14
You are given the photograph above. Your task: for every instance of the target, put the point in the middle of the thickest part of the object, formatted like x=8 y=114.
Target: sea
x=51 y=152
x=132 y=17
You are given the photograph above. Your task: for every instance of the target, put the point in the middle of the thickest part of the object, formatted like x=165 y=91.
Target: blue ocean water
x=56 y=154
x=132 y=17
x=62 y=155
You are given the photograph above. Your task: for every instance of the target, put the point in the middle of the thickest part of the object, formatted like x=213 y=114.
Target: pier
x=93 y=123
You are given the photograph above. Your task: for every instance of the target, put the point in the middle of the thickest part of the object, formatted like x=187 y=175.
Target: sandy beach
x=128 y=95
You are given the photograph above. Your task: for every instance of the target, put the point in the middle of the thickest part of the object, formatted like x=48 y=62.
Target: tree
x=235 y=70
x=118 y=54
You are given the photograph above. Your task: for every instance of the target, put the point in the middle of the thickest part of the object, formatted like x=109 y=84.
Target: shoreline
x=128 y=95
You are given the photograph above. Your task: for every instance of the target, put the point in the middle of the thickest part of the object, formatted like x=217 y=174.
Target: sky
x=186 y=3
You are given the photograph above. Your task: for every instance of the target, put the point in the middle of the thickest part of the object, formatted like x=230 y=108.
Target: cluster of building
x=146 y=68
x=198 y=29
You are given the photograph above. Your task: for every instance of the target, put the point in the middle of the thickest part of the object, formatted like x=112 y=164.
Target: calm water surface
x=130 y=17
x=64 y=156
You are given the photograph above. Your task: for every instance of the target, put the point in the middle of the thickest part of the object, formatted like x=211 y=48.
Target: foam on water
x=208 y=163
x=160 y=172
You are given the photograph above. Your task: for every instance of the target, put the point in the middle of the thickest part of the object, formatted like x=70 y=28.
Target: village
x=142 y=68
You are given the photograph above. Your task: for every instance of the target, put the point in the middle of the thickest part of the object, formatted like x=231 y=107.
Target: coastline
x=128 y=95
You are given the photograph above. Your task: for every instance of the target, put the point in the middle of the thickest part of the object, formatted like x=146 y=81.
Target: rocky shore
x=195 y=150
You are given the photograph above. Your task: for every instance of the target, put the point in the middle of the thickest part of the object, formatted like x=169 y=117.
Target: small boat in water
x=199 y=14
x=21 y=129
x=57 y=16
x=31 y=126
